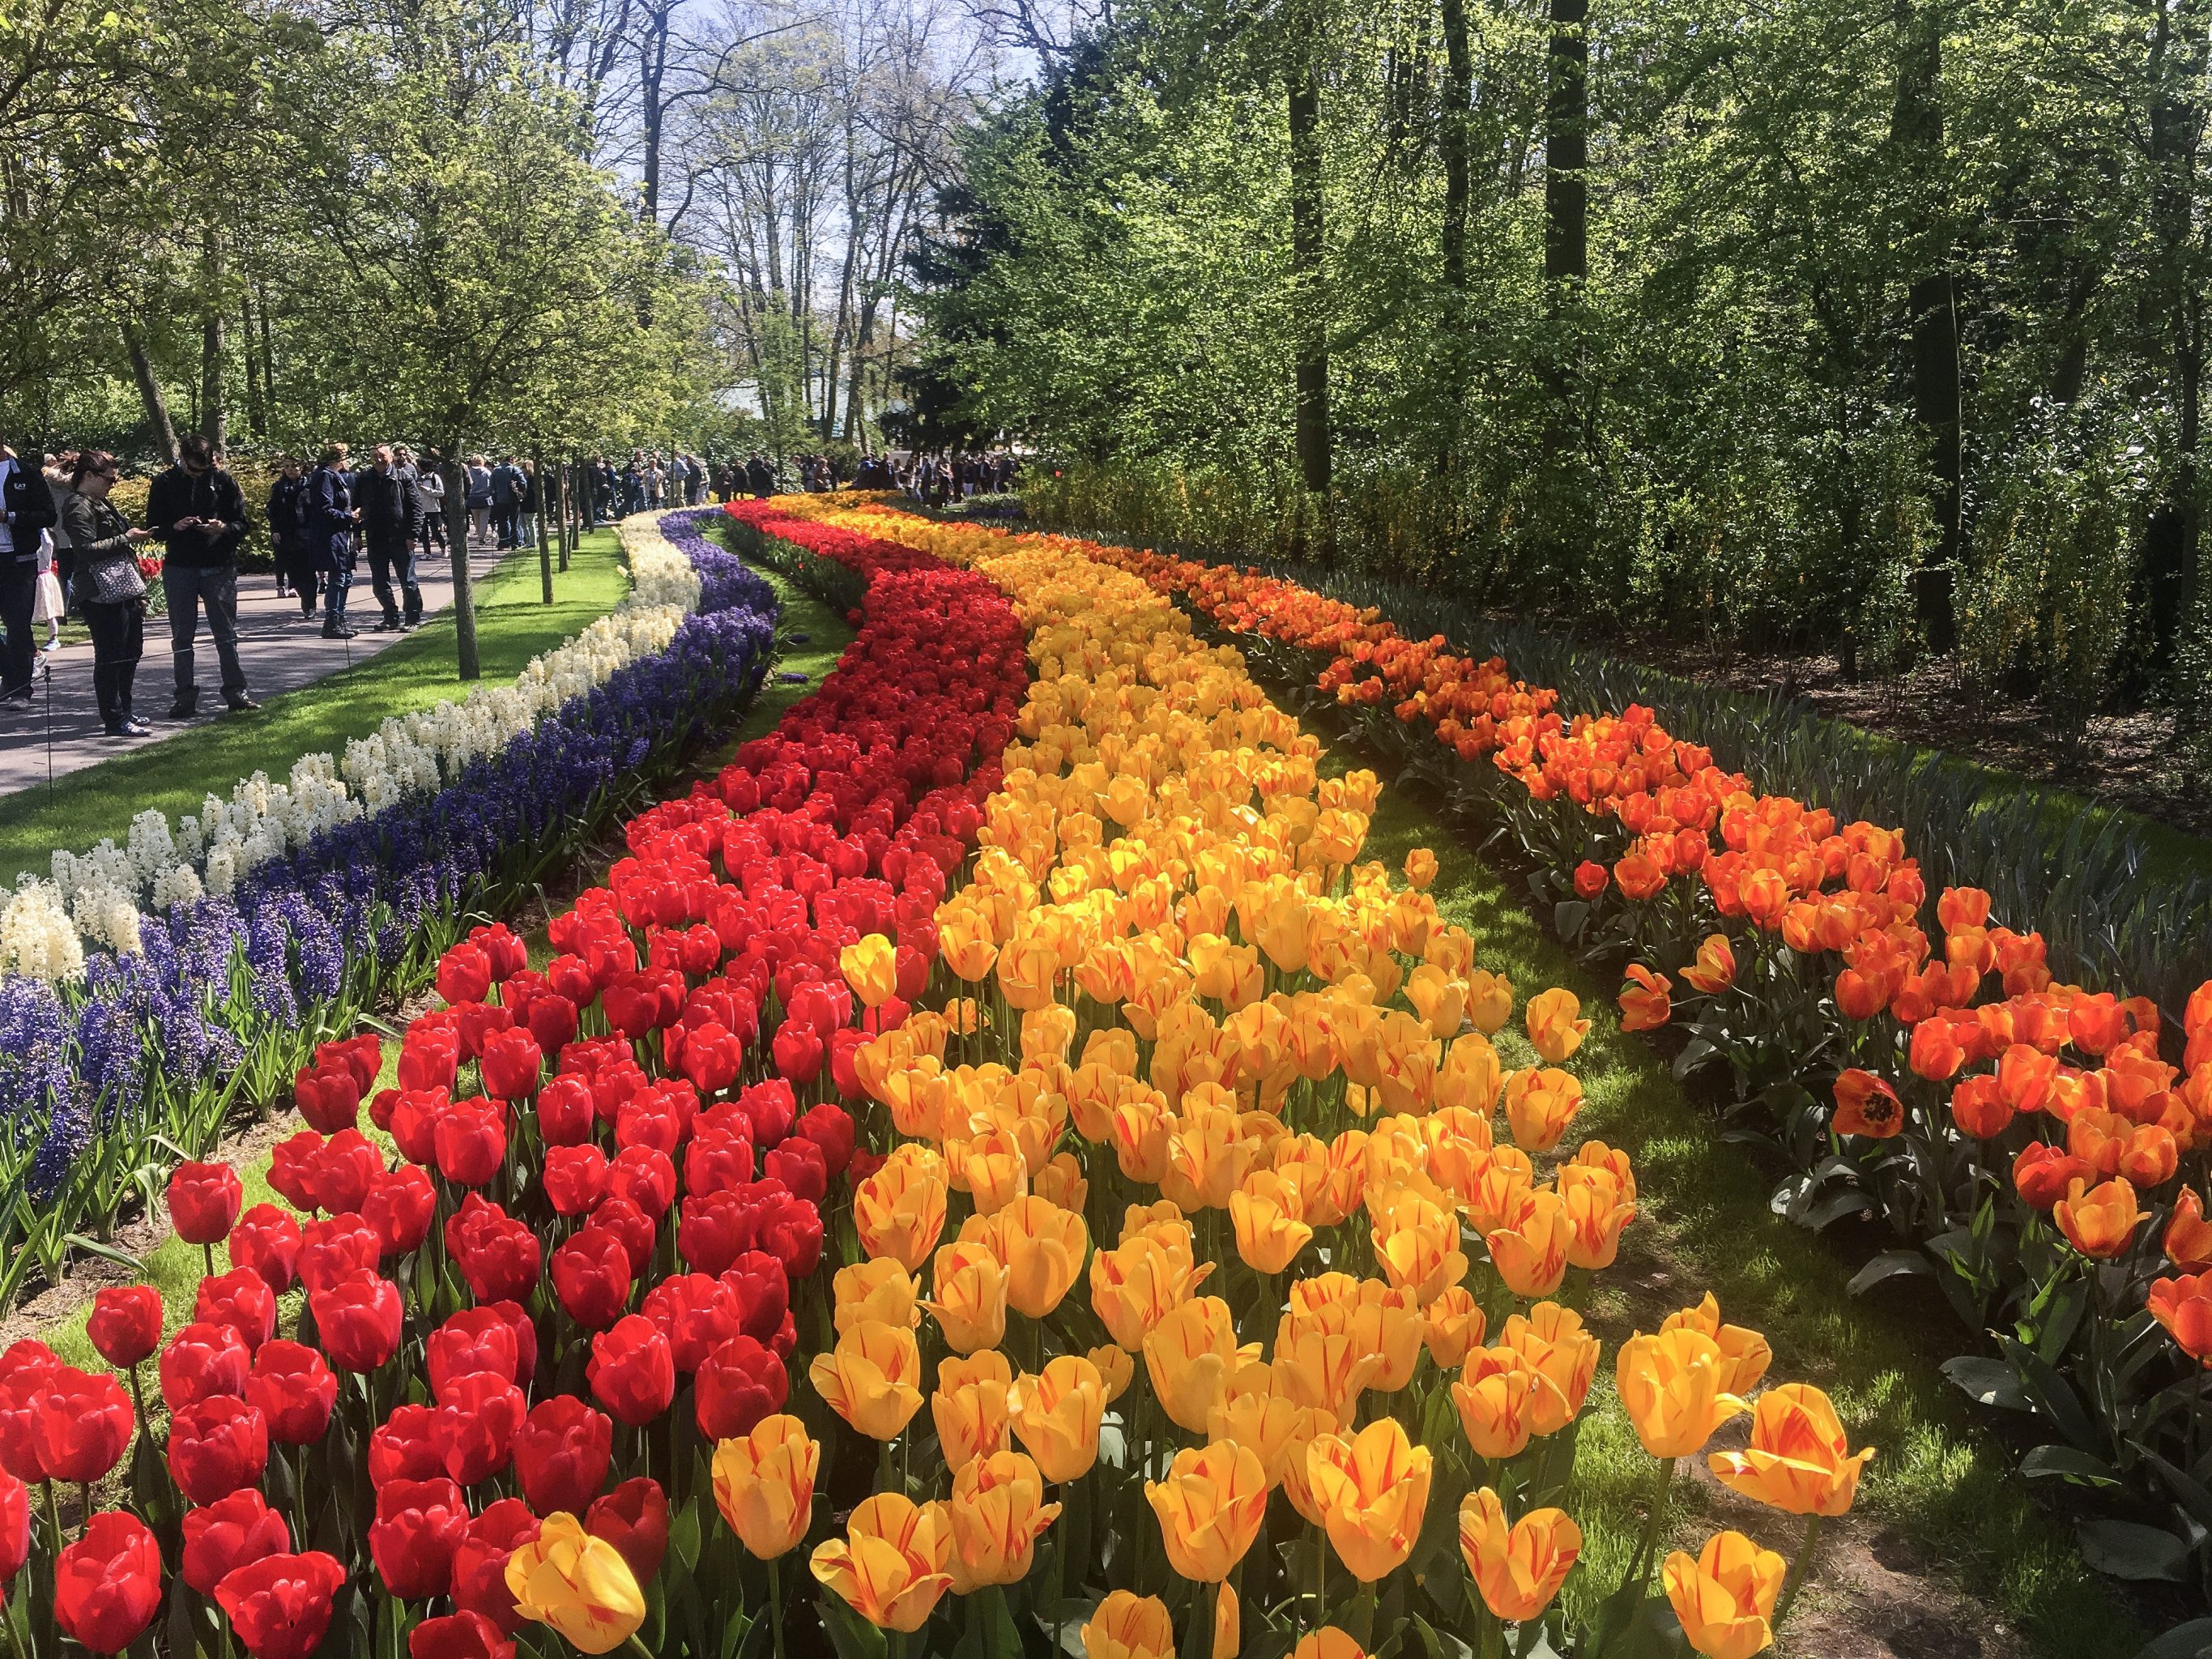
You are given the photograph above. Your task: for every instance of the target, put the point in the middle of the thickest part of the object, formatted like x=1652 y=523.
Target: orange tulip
x=1210 y=1507
x=1129 y=1626
x=1644 y=1006
x=1670 y=1386
x=2188 y=1240
x=1517 y=1568
x=1056 y=1415
x=2184 y=1306
x=997 y=1510
x=1492 y=1397
x=1865 y=1105
x=970 y=1407
x=1555 y=1029
x=1530 y=1253
x=1724 y=1596
x=1714 y=970
x=2100 y=1221
x=869 y=1378
x=764 y=1484
x=1799 y=1460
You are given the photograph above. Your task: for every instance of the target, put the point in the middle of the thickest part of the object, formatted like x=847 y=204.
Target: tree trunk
x=465 y=602
x=1452 y=140
x=257 y=403
x=1566 y=148
x=1917 y=129
x=268 y=352
x=1309 y=277
x=543 y=515
x=149 y=391
x=214 y=408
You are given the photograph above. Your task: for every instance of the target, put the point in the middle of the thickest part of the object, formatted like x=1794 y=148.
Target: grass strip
x=514 y=624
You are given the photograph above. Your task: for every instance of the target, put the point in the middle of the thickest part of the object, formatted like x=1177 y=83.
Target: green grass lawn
x=514 y=624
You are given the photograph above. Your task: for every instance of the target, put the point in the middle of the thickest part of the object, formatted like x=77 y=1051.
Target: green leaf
x=2129 y=1549
x=1889 y=1265
x=2068 y=1464
x=1990 y=1381
x=853 y=1637
x=2190 y=1641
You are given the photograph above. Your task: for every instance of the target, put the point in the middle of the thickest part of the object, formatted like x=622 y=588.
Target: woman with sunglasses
x=110 y=587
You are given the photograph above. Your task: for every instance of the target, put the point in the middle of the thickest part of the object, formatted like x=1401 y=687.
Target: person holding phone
x=198 y=511
x=110 y=589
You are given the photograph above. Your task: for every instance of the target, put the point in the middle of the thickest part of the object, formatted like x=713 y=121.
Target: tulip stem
x=1321 y=1579
x=1799 y=1572
x=776 y=1603
x=643 y=1651
x=1198 y=1634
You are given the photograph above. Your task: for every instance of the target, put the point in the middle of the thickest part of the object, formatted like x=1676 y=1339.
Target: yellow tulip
x=1208 y=1157
x=1141 y=1127
x=1596 y=1213
x=870 y=968
x=1670 y=1386
x=576 y=1585
x=1348 y=1173
x=1539 y=1107
x=1554 y=1030
x=1328 y=1642
x=992 y=1168
x=1470 y=1077
x=1061 y=1182
x=1044 y=1246
x=1129 y=1626
x=1530 y=1252
x=899 y=1211
x=970 y=1407
x=1027 y=968
x=1517 y=1568
x=764 y=1484
x=964 y=939
x=1135 y=1286
x=1117 y=1371
x=1550 y=1340
x=1327 y=1369
x=1502 y=1182
x=1455 y=1324
x=1273 y=1424
x=1228 y=1623
x=1724 y=1596
x=1744 y=1353
x=1420 y=871
x=1210 y=1507
x=1056 y=1415
x=1489 y=1001
x=869 y=1379
x=1188 y=1355
x=1799 y=1460
x=880 y=1289
x=1264 y=1213
x=997 y=1510
x=970 y=1302
x=889 y=1567
x=1492 y=1397
x=1372 y=1489
x=1047 y=1033
x=1417 y=1244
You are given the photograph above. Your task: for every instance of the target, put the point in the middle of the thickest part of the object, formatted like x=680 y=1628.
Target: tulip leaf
x=853 y=1637
x=1694 y=1053
x=1989 y=1381
x=1889 y=1265
x=2127 y=1549
x=684 y=1535
x=2068 y=1464
x=2190 y=1641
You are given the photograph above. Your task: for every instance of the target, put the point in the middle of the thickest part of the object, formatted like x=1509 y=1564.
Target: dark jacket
x=29 y=505
x=97 y=533
x=329 y=519
x=287 y=515
x=390 y=511
x=506 y=485
x=213 y=494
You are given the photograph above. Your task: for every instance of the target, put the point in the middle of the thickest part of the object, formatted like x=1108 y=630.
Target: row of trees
x=1876 y=328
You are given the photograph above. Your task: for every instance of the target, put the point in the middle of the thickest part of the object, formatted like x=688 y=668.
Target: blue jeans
x=337 y=581
x=188 y=588
x=384 y=564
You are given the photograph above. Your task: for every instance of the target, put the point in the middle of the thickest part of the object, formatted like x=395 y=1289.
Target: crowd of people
x=65 y=548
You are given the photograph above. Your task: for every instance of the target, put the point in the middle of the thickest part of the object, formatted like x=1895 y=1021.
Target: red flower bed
x=580 y=1274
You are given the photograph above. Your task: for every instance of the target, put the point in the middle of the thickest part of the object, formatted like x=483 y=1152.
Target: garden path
x=61 y=732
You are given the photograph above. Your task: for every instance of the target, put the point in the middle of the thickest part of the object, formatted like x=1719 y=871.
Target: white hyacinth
x=36 y=938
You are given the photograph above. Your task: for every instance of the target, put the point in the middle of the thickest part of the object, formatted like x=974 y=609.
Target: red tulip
x=217 y=1446
x=565 y=1111
x=798 y=1164
x=475 y=1339
x=203 y=1200
x=280 y=1606
x=503 y=1262
x=24 y=1370
x=459 y=1636
x=696 y=1313
x=358 y=1320
x=475 y=1429
x=713 y=1057
x=511 y=1064
x=791 y=1231
x=202 y=1361
x=243 y=1301
x=268 y=1241
x=228 y=1534
x=644 y=1176
x=419 y=1525
x=632 y=1371
x=334 y=1250
x=830 y=1128
x=713 y=1228
x=763 y=1294
x=721 y=1160
x=738 y=1384
x=429 y=1057
x=83 y=1424
x=329 y=1098
x=414 y=1125
x=340 y=1174
x=575 y=1178
x=634 y=1518
x=770 y=1108
x=400 y=1204
x=505 y=949
x=15 y=1527
x=403 y=1447
x=525 y=1340
x=464 y=975
x=295 y=1390
x=125 y=1323
x=562 y=1453
x=552 y=1022
x=472 y=1141
x=361 y=1057
x=480 y=1564
x=622 y=1218
x=592 y=1277
x=292 y=1170
x=798 y=1052
x=107 y=1585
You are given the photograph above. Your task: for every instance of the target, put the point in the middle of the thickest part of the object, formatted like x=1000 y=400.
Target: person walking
x=329 y=527
x=430 y=501
x=386 y=505
x=111 y=589
x=296 y=570
x=479 y=500
x=60 y=469
x=197 y=510
x=601 y=492
x=526 y=512
x=27 y=512
x=505 y=501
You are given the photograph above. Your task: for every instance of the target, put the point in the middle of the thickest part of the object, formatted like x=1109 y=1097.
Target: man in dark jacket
x=760 y=478
x=195 y=507
x=508 y=489
x=391 y=518
x=27 y=509
x=329 y=515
